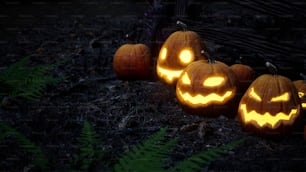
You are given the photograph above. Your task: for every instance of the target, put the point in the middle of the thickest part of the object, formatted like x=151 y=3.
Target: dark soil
x=124 y=113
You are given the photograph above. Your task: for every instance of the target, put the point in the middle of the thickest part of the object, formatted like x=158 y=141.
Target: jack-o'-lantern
x=301 y=88
x=270 y=104
x=205 y=87
x=180 y=49
x=132 y=61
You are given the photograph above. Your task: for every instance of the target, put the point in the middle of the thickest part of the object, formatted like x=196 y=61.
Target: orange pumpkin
x=132 y=61
x=206 y=87
x=245 y=75
x=270 y=104
x=180 y=49
x=301 y=88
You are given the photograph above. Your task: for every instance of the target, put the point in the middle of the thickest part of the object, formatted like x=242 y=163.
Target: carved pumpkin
x=270 y=104
x=132 y=61
x=205 y=87
x=245 y=75
x=301 y=88
x=180 y=49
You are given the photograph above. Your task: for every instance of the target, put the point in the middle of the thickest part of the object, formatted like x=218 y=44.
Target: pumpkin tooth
x=205 y=87
x=279 y=106
x=200 y=100
x=168 y=75
x=266 y=118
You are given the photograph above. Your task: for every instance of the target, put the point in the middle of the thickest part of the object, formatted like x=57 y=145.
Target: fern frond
x=197 y=161
x=27 y=82
x=148 y=156
x=39 y=159
x=87 y=143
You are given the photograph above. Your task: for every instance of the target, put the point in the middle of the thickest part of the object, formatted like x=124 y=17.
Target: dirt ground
x=124 y=113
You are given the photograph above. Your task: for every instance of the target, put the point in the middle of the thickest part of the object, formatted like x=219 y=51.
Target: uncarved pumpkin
x=133 y=61
x=270 y=105
x=206 y=87
x=245 y=75
x=180 y=49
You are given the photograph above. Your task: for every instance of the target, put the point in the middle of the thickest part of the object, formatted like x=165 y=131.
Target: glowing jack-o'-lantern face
x=271 y=102
x=180 y=49
x=301 y=88
x=203 y=85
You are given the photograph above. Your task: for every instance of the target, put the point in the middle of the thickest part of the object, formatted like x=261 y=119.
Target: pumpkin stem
x=272 y=68
x=211 y=60
x=129 y=38
x=239 y=61
x=303 y=76
x=182 y=25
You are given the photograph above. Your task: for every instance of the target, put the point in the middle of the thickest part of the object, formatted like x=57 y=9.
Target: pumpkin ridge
x=208 y=92
x=265 y=90
x=280 y=88
x=272 y=107
x=132 y=61
x=186 y=38
x=292 y=91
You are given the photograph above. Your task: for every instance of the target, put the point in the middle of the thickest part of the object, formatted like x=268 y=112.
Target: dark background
x=258 y=31
x=87 y=33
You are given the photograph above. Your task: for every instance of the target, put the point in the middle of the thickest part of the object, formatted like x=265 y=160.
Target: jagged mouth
x=267 y=119
x=169 y=75
x=200 y=100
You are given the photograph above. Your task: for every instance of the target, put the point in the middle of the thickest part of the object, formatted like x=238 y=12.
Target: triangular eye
x=185 y=79
x=282 y=98
x=254 y=95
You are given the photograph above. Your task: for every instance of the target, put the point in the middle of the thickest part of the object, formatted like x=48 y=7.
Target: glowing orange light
x=301 y=94
x=185 y=79
x=163 y=54
x=266 y=118
x=254 y=95
x=186 y=56
x=213 y=81
x=282 y=98
x=168 y=74
x=200 y=100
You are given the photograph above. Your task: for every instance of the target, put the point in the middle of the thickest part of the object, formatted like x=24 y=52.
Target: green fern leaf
x=26 y=82
x=86 y=146
x=39 y=159
x=196 y=162
x=148 y=156
x=88 y=143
